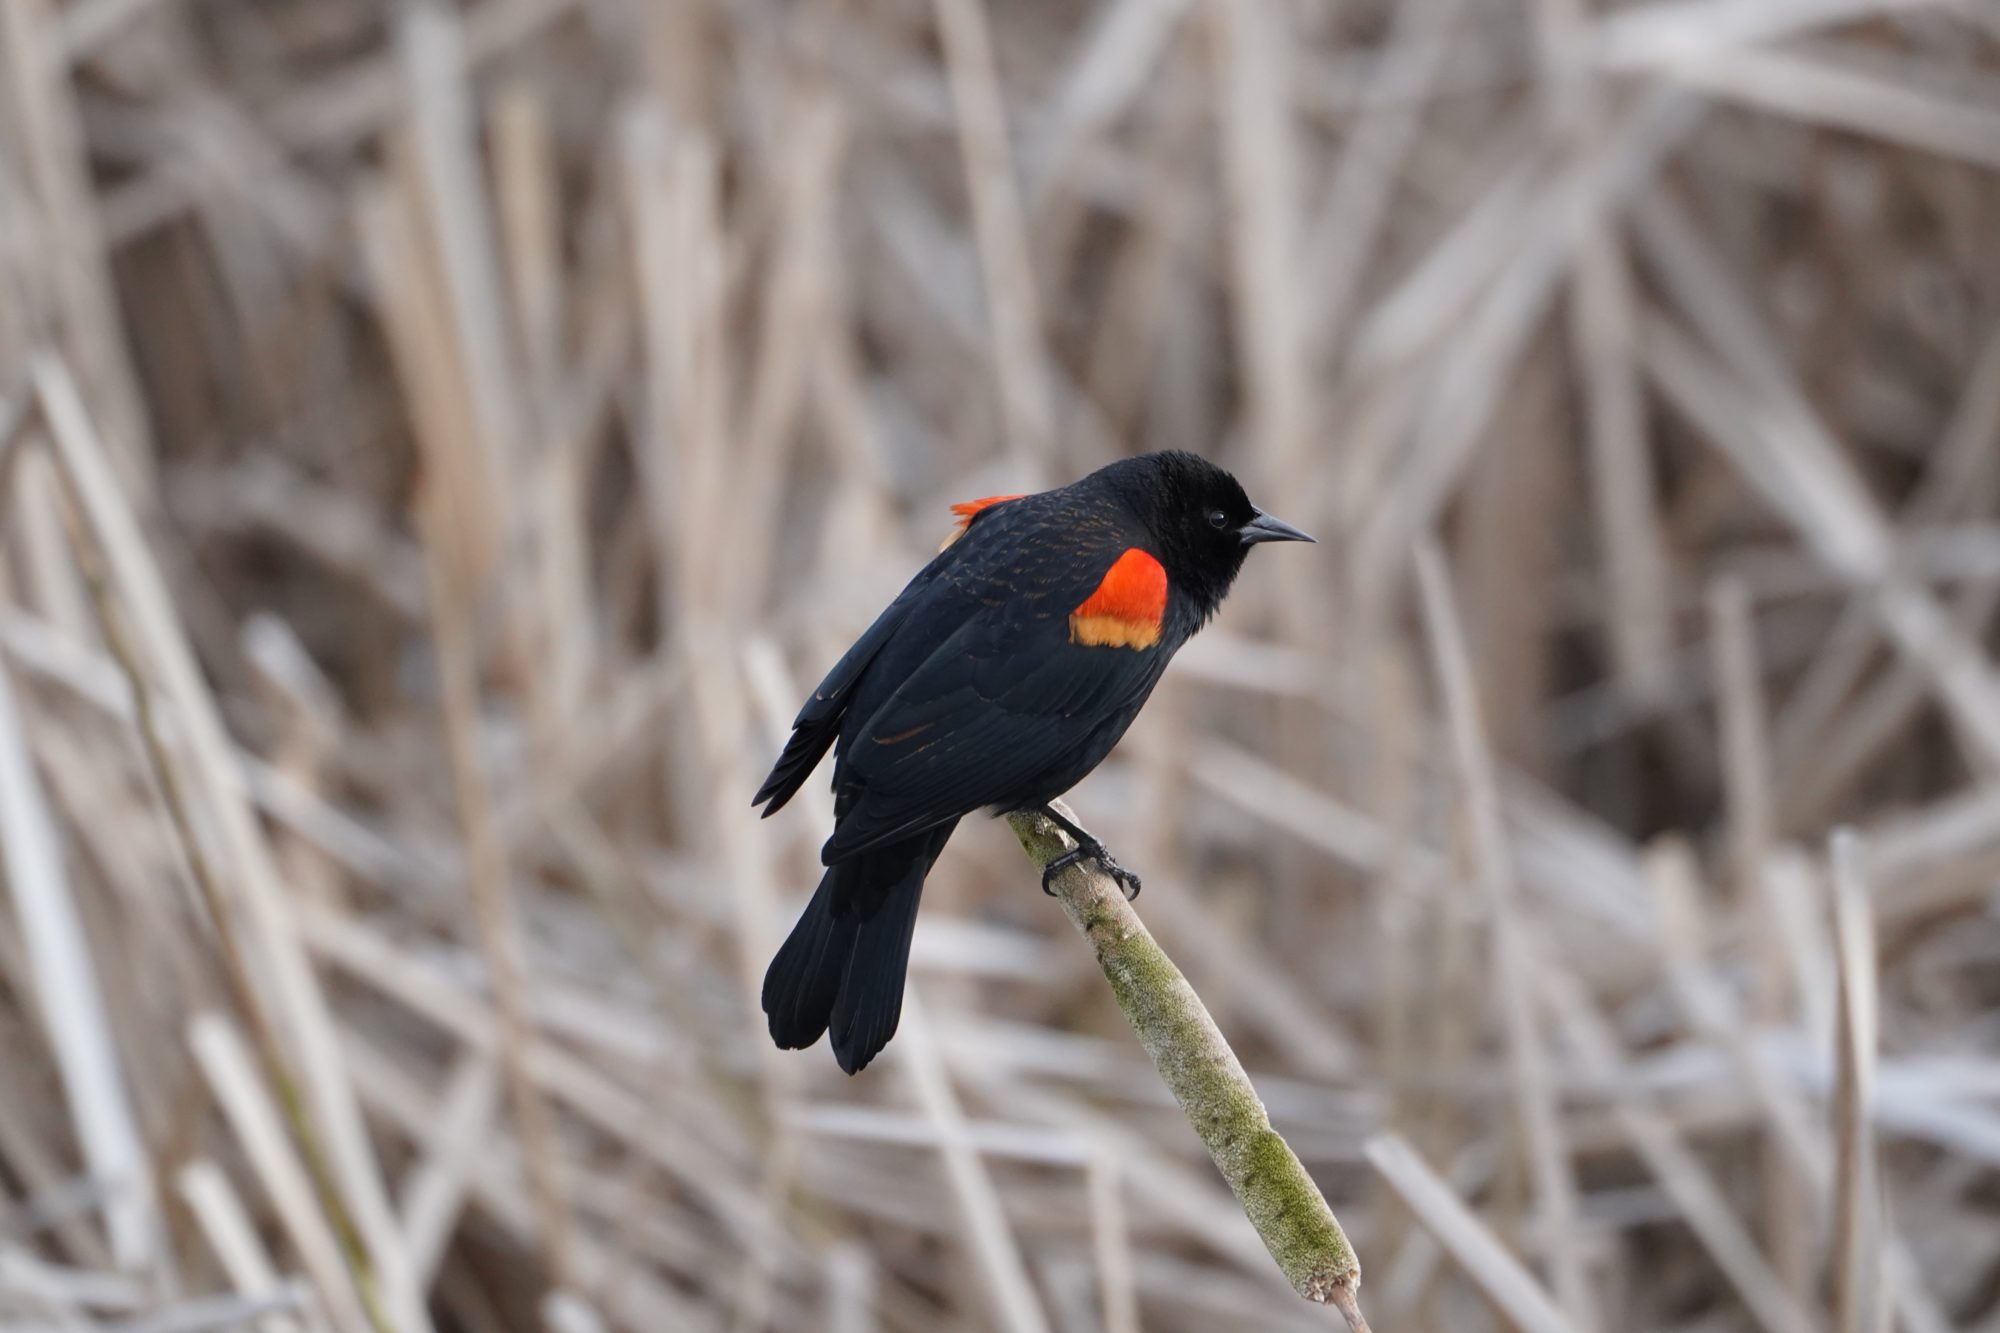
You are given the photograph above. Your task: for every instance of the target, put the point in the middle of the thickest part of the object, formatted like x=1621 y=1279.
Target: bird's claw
x=1057 y=866
x=1128 y=882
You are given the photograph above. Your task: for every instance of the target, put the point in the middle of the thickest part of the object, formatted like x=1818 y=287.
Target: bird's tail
x=843 y=966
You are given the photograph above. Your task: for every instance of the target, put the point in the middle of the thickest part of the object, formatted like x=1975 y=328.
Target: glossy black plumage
x=970 y=691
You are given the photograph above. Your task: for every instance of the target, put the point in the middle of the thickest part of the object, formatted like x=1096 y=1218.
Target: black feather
x=818 y=723
x=846 y=960
x=803 y=981
x=968 y=692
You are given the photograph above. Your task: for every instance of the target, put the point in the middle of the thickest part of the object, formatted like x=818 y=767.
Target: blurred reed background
x=471 y=430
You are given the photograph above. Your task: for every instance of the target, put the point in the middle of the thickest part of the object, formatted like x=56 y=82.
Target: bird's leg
x=1088 y=848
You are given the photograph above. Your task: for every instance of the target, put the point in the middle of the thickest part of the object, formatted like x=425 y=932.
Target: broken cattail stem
x=1194 y=1059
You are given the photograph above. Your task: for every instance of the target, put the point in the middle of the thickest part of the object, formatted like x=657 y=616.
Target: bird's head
x=1200 y=519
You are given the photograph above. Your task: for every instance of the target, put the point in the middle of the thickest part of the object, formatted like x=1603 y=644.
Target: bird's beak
x=1264 y=528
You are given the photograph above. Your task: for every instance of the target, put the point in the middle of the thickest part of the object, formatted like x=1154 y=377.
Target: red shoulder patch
x=1128 y=607
x=967 y=510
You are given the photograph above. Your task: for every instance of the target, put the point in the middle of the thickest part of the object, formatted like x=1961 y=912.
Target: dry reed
x=438 y=442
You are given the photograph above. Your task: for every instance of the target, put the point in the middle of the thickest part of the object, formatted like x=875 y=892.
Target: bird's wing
x=819 y=722
x=1005 y=700
x=935 y=602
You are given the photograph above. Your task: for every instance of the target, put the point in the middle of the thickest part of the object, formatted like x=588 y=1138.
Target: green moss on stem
x=1195 y=1062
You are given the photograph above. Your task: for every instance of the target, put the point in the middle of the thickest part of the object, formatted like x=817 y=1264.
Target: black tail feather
x=803 y=981
x=870 y=1003
x=844 y=964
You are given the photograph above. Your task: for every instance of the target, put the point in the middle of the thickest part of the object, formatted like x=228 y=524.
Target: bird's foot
x=1128 y=880
x=1091 y=849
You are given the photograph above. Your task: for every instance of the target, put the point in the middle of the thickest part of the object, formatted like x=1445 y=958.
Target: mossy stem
x=1207 y=1080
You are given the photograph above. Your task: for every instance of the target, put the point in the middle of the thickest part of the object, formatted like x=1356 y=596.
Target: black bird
x=1002 y=674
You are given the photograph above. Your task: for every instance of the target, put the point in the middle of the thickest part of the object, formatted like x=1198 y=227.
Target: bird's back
x=980 y=695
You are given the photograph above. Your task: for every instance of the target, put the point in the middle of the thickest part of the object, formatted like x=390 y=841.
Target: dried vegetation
x=438 y=446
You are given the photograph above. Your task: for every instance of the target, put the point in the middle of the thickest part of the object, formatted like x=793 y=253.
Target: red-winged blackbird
x=1001 y=675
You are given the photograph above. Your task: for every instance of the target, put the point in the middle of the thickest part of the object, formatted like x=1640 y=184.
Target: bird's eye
x=1217 y=519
